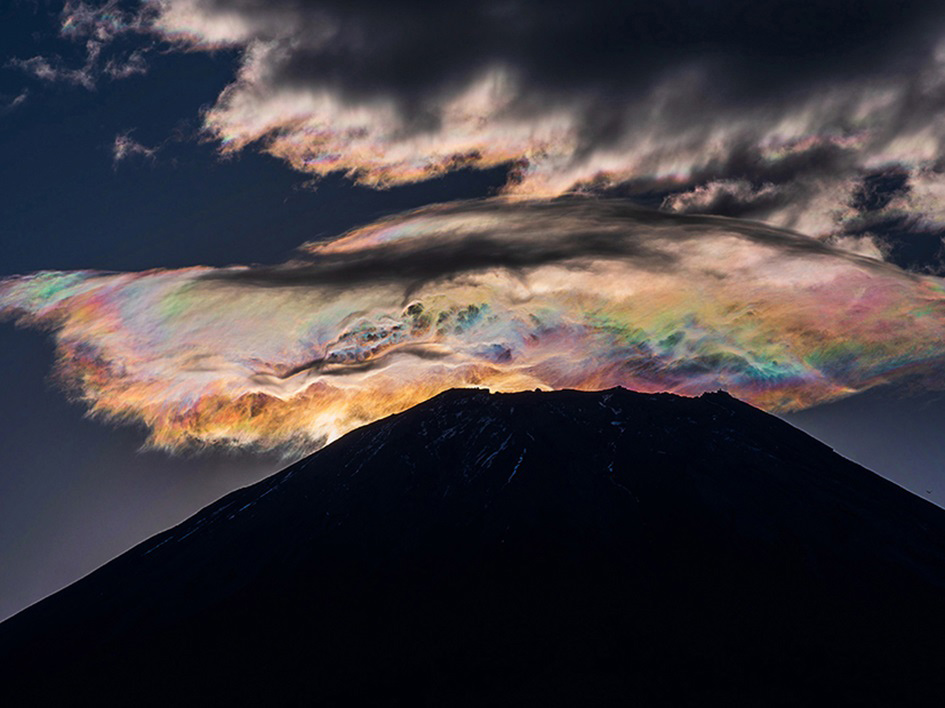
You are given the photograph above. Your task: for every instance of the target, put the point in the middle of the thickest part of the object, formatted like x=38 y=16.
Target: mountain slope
x=541 y=548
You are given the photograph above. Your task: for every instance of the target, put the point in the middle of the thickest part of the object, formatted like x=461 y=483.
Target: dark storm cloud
x=780 y=111
x=415 y=48
x=770 y=110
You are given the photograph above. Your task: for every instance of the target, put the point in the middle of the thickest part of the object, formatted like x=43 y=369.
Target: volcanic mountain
x=567 y=548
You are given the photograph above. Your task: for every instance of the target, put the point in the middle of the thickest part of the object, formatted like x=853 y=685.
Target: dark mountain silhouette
x=572 y=549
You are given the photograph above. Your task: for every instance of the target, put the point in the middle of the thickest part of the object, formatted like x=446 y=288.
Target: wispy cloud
x=95 y=27
x=54 y=70
x=510 y=295
x=125 y=147
x=130 y=65
x=9 y=104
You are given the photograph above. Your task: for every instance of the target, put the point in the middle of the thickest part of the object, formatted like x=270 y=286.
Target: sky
x=234 y=230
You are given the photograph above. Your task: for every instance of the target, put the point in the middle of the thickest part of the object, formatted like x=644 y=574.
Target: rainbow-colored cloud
x=505 y=294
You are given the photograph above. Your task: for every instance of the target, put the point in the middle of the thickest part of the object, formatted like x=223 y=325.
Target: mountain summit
x=567 y=548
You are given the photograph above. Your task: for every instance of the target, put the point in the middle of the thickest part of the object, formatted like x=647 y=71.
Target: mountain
x=567 y=548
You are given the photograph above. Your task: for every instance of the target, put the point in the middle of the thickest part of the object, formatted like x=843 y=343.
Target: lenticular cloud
x=509 y=295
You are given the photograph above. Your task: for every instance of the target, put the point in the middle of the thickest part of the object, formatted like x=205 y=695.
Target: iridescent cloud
x=95 y=26
x=511 y=295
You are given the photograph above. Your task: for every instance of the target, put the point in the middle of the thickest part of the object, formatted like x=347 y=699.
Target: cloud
x=54 y=70
x=773 y=110
x=95 y=27
x=123 y=67
x=125 y=147
x=8 y=104
x=509 y=294
x=778 y=111
x=726 y=197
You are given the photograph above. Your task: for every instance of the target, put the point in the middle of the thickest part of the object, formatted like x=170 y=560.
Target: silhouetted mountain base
x=553 y=549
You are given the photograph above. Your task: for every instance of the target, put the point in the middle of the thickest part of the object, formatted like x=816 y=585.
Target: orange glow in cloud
x=507 y=295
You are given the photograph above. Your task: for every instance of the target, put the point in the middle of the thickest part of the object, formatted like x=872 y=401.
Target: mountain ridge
x=506 y=547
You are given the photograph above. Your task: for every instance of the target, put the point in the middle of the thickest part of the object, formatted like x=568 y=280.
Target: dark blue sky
x=74 y=493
